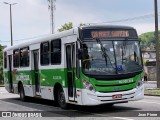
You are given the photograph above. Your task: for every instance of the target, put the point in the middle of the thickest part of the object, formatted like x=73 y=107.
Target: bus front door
x=36 y=71
x=10 y=74
x=70 y=64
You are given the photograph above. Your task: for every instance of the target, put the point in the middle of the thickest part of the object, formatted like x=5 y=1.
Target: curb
x=151 y=95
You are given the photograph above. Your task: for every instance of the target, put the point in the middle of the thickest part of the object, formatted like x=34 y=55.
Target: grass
x=1 y=85
x=153 y=91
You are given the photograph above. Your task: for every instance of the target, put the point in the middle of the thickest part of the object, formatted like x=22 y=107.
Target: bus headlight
x=139 y=83
x=88 y=85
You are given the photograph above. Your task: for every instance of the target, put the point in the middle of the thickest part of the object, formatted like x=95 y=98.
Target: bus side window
x=24 y=57
x=16 y=58
x=56 y=52
x=5 y=59
x=45 y=53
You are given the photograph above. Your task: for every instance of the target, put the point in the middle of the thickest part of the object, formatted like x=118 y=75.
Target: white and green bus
x=89 y=65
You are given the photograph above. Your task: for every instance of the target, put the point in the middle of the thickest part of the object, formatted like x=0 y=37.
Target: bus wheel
x=21 y=93
x=61 y=99
x=110 y=104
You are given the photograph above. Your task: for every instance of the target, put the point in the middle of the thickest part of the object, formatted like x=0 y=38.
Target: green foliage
x=81 y=24
x=1 y=63
x=1 y=55
x=148 y=39
x=66 y=26
x=155 y=91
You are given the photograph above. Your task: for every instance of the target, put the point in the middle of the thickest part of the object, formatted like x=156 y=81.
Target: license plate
x=117 y=96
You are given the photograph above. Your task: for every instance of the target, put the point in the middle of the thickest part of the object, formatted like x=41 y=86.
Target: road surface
x=125 y=111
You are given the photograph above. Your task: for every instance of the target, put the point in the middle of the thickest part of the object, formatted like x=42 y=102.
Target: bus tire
x=61 y=99
x=21 y=93
x=110 y=104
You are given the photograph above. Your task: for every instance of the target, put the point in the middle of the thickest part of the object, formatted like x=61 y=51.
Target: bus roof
x=62 y=34
x=42 y=39
x=107 y=27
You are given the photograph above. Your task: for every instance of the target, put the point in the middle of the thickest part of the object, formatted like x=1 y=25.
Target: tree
x=1 y=63
x=81 y=24
x=66 y=26
x=148 y=40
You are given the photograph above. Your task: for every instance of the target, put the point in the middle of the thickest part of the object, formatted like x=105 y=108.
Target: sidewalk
x=1 y=85
x=151 y=88
x=150 y=84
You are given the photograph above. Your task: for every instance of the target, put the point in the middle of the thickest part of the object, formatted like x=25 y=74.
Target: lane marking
x=2 y=92
x=86 y=112
x=123 y=118
x=19 y=105
x=148 y=102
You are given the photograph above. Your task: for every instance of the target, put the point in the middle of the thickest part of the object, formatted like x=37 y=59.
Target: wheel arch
x=19 y=83
x=57 y=86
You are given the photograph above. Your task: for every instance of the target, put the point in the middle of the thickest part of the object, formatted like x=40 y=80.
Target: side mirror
x=80 y=54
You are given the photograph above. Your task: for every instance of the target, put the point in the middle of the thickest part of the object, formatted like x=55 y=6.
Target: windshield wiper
x=123 y=47
x=104 y=53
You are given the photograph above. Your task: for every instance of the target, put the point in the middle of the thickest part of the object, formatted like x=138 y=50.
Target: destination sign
x=105 y=34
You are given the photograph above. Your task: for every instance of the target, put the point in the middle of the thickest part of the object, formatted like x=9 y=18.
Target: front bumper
x=97 y=98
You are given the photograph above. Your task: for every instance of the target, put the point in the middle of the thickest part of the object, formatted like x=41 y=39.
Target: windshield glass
x=128 y=56
x=120 y=57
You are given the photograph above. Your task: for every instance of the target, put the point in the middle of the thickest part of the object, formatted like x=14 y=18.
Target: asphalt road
x=125 y=111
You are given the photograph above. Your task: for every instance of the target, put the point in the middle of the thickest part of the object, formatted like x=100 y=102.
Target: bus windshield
x=121 y=57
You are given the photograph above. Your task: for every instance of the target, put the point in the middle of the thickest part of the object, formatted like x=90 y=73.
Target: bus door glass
x=10 y=74
x=36 y=71
x=70 y=62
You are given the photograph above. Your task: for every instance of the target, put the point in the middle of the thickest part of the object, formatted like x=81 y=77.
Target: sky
x=31 y=18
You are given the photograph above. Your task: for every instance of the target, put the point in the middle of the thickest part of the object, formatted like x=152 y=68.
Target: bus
x=88 y=65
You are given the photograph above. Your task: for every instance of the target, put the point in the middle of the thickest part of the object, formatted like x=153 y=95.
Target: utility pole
x=52 y=7
x=157 y=43
x=11 y=20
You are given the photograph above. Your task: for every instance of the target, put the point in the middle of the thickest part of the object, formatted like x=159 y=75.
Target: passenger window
x=55 y=52
x=45 y=53
x=24 y=57
x=16 y=58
